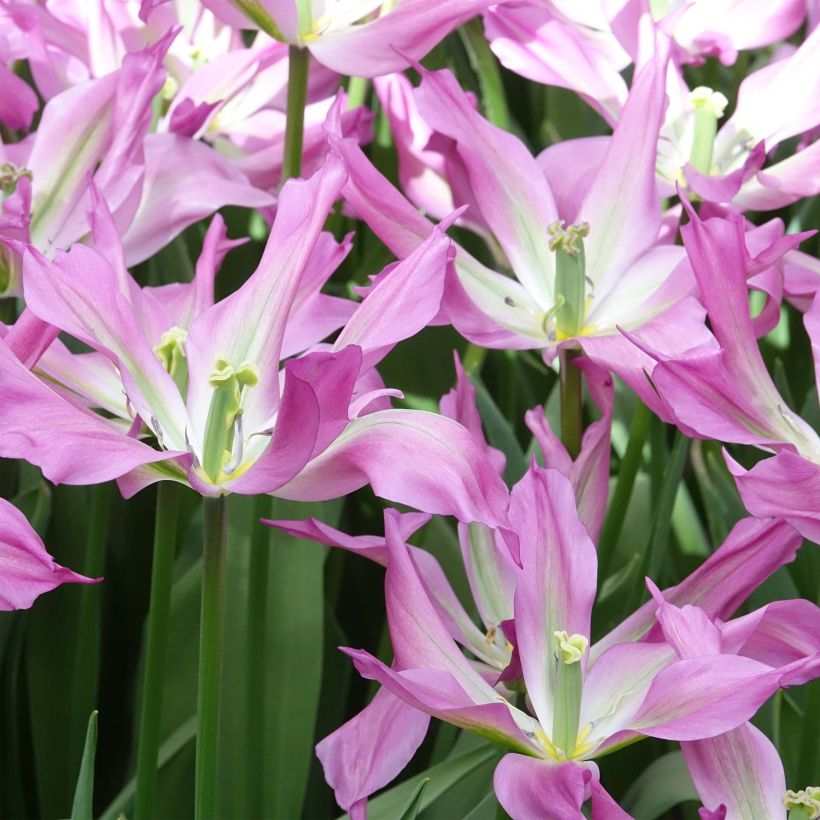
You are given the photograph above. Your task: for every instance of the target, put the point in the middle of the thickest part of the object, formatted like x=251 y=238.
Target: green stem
x=210 y=655
x=87 y=651
x=485 y=65
x=156 y=644
x=571 y=402
x=295 y=123
x=474 y=359
x=256 y=631
x=357 y=88
x=808 y=749
x=638 y=432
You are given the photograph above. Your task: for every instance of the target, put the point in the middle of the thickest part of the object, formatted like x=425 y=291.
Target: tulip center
x=569 y=311
x=803 y=805
x=708 y=106
x=171 y=352
x=10 y=175
x=222 y=451
x=568 y=652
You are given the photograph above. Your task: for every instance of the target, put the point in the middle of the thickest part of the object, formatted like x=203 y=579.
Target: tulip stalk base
x=210 y=655
x=156 y=645
x=295 y=124
x=571 y=402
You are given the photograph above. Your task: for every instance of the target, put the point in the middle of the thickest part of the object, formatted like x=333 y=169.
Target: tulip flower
x=26 y=568
x=722 y=390
x=155 y=184
x=357 y=39
x=201 y=381
x=388 y=732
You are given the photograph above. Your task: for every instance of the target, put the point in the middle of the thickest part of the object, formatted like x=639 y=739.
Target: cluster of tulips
x=631 y=558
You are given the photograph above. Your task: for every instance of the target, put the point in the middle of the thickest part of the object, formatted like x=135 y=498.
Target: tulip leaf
x=413 y=806
x=663 y=784
x=83 y=807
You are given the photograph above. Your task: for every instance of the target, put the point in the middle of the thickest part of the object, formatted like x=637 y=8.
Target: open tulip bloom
x=202 y=380
x=672 y=670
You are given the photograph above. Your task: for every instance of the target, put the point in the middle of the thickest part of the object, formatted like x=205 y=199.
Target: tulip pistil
x=570 y=276
x=803 y=804
x=171 y=352
x=568 y=652
x=709 y=106
x=224 y=416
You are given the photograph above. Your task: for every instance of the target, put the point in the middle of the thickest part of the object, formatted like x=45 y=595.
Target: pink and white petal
x=529 y=787
x=621 y=205
x=18 y=101
x=411 y=457
x=79 y=293
x=740 y=770
x=368 y=751
x=390 y=42
x=402 y=303
x=250 y=324
x=185 y=181
x=703 y=697
x=70 y=445
x=687 y=629
x=786 y=486
x=570 y=166
x=532 y=41
x=557 y=582
x=752 y=551
x=512 y=194
x=783 y=183
x=26 y=568
x=603 y=805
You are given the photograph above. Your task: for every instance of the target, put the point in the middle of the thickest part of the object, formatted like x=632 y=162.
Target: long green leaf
x=662 y=785
x=83 y=807
x=413 y=806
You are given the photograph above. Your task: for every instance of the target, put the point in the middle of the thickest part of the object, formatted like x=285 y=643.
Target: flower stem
x=485 y=65
x=571 y=402
x=156 y=644
x=638 y=431
x=357 y=90
x=256 y=631
x=210 y=655
x=295 y=124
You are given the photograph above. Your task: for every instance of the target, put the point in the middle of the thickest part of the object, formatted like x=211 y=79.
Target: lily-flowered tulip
x=356 y=37
x=155 y=184
x=26 y=568
x=585 y=261
x=630 y=679
x=722 y=390
x=202 y=380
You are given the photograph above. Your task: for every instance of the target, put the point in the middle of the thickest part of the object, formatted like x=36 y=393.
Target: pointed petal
x=556 y=585
x=740 y=770
x=70 y=445
x=531 y=787
x=753 y=550
x=250 y=324
x=412 y=457
x=368 y=751
x=79 y=293
x=26 y=569
x=622 y=207
x=185 y=181
x=511 y=192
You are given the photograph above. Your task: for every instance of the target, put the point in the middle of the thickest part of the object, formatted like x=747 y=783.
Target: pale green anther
x=570 y=276
x=708 y=106
x=803 y=804
x=171 y=352
x=10 y=175
x=567 y=685
x=226 y=408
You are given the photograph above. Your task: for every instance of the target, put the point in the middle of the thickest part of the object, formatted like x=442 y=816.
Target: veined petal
x=740 y=770
x=79 y=294
x=512 y=194
x=368 y=751
x=529 y=787
x=70 y=445
x=26 y=569
x=752 y=551
x=412 y=457
x=622 y=206
x=557 y=582
x=249 y=325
